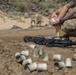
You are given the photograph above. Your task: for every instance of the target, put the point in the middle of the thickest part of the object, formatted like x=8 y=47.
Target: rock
x=74 y=57
x=1 y=41
x=75 y=50
x=6 y=48
x=22 y=19
x=26 y=15
x=16 y=27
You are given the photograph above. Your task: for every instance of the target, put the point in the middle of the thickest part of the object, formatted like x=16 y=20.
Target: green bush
x=44 y=5
x=23 y=5
x=36 y=1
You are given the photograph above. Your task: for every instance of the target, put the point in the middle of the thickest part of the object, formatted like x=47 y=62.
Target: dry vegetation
x=42 y=6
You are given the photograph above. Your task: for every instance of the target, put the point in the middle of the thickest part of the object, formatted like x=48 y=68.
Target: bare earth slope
x=7 y=21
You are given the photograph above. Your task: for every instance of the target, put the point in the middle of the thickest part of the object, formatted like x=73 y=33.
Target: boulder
x=75 y=50
x=74 y=57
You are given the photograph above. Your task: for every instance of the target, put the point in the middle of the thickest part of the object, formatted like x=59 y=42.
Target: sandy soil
x=11 y=41
x=7 y=22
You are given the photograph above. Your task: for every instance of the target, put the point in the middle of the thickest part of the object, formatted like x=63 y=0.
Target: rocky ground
x=11 y=41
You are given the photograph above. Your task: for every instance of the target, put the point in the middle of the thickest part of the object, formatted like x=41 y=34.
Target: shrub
x=23 y=5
